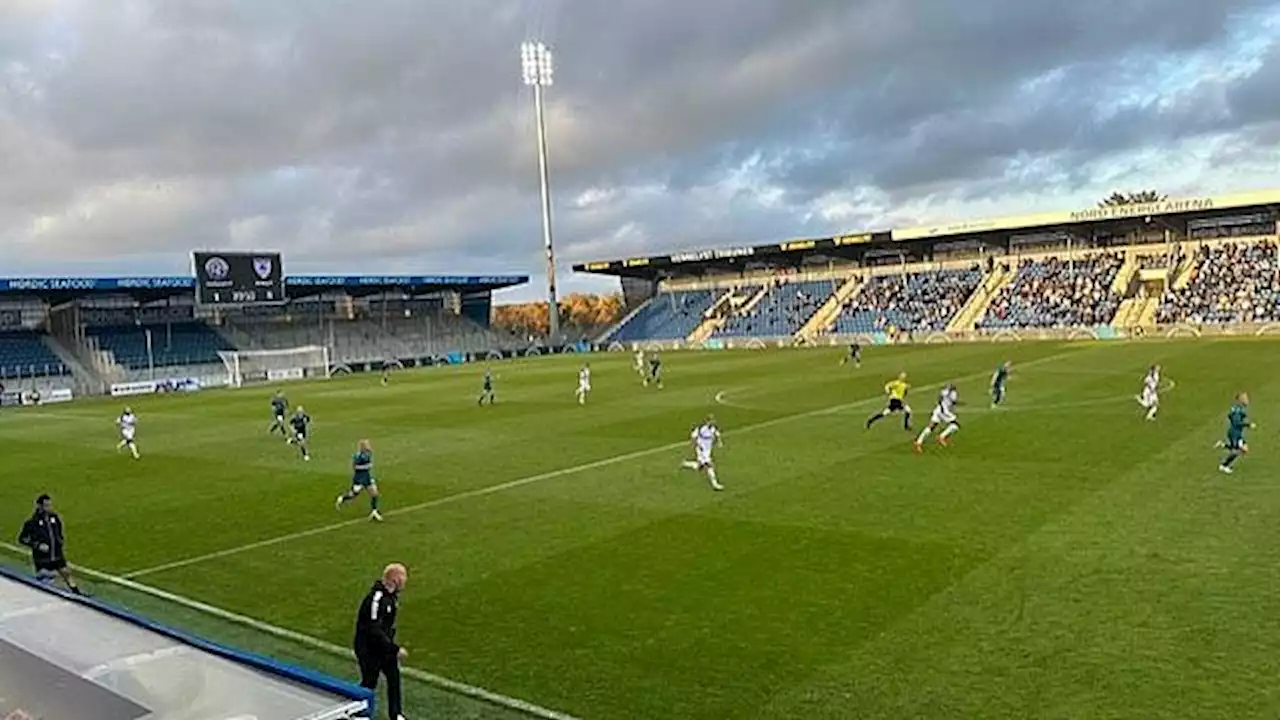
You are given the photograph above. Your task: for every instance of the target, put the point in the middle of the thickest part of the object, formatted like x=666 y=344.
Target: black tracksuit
x=375 y=644
x=42 y=532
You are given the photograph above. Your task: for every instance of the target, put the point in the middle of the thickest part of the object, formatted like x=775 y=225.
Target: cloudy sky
x=394 y=135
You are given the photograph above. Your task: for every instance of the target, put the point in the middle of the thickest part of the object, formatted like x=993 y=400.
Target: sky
x=395 y=136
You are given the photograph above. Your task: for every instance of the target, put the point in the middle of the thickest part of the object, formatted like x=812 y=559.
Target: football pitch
x=1064 y=558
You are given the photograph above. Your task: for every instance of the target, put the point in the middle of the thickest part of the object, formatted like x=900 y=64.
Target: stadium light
x=537 y=68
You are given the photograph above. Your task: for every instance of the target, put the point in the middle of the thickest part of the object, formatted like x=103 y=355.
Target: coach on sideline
x=375 y=643
x=43 y=534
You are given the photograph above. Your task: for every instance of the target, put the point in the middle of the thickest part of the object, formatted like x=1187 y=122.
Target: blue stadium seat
x=781 y=312
x=24 y=354
x=189 y=343
x=917 y=302
x=668 y=316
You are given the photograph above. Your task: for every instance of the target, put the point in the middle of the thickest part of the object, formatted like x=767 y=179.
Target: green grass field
x=1063 y=559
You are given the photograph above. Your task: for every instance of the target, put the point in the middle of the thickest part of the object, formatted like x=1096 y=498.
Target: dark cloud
x=397 y=130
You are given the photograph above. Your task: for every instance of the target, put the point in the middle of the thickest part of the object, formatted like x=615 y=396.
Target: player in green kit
x=998 y=380
x=279 y=406
x=362 y=480
x=1237 y=423
x=301 y=424
x=486 y=392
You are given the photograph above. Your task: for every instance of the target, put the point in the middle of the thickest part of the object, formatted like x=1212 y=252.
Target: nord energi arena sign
x=238 y=278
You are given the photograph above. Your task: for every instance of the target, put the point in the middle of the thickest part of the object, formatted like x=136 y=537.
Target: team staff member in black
x=375 y=644
x=42 y=532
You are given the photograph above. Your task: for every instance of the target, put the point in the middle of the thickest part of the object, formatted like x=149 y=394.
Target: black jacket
x=376 y=623
x=42 y=532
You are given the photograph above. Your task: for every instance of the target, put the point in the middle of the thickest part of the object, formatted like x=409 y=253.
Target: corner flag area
x=64 y=657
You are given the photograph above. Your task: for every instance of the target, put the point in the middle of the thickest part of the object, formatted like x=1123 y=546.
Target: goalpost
x=255 y=366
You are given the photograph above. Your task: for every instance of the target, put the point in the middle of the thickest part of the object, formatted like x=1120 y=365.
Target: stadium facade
x=1178 y=266
x=64 y=336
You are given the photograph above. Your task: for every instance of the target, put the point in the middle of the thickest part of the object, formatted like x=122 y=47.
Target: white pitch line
x=471 y=691
x=521 y=482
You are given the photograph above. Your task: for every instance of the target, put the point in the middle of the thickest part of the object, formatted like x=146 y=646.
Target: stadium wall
x=260 y=663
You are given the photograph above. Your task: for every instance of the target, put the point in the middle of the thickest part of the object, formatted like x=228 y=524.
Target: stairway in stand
x=976 y=306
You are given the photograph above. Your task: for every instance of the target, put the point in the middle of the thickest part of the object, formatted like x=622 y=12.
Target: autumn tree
x=580 y=313
x=1120 y=199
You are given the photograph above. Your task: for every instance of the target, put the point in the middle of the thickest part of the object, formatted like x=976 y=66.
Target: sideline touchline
x=440 y=681
x=512 y=484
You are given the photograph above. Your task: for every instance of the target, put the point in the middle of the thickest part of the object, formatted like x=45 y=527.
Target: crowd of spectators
x=782 y=311
x=1055 y=293
x=1153 y=262
x=1232 y=284
x=913 y=302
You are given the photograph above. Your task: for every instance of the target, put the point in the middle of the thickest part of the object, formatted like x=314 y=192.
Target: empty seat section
x=192 y=343
x=668 y=316
x=782 y=311
x=24 y=354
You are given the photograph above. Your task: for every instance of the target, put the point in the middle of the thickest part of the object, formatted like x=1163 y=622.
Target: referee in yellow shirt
x=896 y=389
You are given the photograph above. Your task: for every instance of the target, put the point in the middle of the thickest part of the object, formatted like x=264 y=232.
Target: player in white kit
x=128 y=424
x=1150 y=397
x=584 y=384
x=705 y=438
x=943 y=414
x=640 y=363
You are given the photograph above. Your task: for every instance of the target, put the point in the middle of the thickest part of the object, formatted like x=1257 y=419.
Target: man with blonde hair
x=375 y=641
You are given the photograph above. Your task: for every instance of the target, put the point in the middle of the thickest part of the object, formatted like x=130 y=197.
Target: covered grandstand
x=1106 y=271
x=88 y=335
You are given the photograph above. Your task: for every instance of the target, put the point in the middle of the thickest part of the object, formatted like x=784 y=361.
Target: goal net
x=256 y=366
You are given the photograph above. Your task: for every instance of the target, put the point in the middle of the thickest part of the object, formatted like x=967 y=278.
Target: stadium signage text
x=52 y=284
x=1164 y=207
x=799 y=245
x=711 y=255
x=853 y=239
x=400 y=280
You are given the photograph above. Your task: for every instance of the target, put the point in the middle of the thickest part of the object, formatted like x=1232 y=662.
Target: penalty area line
x=439 y=681
x=521 y=482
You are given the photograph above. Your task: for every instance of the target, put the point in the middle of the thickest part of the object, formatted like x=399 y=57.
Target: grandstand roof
x=1173 y=211
x=158 y=287
x=791 y=252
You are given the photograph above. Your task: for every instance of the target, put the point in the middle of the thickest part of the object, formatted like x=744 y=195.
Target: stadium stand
x=670 y=315
x=1056 y=293
x=171 y=344
x=24 y=354
x=914 y=302
x=782 y=311
x=361 y=339
x=1232 y=283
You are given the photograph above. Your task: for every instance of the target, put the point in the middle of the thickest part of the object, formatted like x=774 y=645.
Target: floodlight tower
x=536 y=64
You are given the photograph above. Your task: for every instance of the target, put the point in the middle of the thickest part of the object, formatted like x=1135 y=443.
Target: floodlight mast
x=537 y=69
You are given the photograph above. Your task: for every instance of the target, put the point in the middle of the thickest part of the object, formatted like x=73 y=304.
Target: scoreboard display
x=238 y=278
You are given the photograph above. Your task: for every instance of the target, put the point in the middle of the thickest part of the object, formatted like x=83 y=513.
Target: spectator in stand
x=1232 y=284
x=1055 y=293
x=923 y=301
x=1154 y=262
